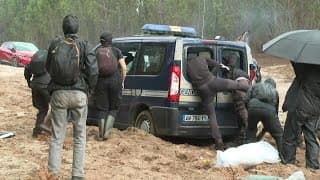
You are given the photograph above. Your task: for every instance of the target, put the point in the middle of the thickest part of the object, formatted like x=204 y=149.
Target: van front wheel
x=144 y=121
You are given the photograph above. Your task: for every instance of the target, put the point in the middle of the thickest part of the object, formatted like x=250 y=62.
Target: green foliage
x=39 y=21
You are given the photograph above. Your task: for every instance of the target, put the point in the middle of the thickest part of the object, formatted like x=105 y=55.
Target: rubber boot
x=101 y=124
x=108 y=125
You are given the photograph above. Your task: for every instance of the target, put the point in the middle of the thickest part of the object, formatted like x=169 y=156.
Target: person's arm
x=277 y=102
x=212 y=63
x=123 y=70
x=27 y=74
x=91 y=67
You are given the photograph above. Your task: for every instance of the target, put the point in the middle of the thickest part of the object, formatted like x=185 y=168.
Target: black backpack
x=38 y=62
x=107 y=62
x=65 y=62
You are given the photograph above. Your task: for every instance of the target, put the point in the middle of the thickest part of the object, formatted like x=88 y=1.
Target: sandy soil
x=129 y=154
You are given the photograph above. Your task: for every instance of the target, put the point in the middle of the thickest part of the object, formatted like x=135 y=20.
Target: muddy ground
x=129 y=154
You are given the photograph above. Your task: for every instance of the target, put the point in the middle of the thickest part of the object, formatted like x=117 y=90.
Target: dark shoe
x=77 y=178
x=220 y=147
x=36 y=132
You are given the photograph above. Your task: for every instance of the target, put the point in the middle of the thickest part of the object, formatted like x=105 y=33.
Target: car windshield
x=22 y=46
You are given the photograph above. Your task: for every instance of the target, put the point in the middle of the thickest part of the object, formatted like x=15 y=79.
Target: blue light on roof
x=171 y=30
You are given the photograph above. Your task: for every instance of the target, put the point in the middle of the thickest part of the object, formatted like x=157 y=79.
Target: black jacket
x=308 y=93
x=88 y=66
x=36 y=81
x=198 y=70
x=264 y=92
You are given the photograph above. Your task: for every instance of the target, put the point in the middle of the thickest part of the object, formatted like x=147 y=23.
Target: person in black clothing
x=302 y=103
x=263 y=101
x=208 y=86
x=108 y=92
x=38 y=80
x=238 y=96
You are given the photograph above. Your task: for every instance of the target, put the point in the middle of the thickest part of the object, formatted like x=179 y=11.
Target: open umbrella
x=301 y=46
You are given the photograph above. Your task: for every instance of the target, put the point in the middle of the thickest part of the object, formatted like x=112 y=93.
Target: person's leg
x=101 y=103
x=79 y=112
x=312 y=146
x=115 y=95
x=292 y=129
x=59 y=106
x=40 y=100
x=220 y=84
x=207 y=103
x=272 y=124
x=253 y=118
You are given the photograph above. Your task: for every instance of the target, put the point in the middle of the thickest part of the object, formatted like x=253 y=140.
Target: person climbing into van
x=208 y=85
x=38 y=79
x=263 y=102
x=73 y=70
x=302 y=103
x=238 y=96
x=108 y=92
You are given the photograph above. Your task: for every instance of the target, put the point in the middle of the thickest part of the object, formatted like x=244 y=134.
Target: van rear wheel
x=144 y=121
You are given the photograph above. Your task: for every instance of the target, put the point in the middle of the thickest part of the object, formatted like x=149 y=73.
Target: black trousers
x=40 y=100
x=108 y=95
x=207 y=92
x=298 y=122
x=267 y=114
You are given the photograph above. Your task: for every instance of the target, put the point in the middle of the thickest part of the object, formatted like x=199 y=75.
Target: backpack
x=38 y=62
x=107 y=62
x=64 y=62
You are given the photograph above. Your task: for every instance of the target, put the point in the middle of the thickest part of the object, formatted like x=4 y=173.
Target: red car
x=17 y=53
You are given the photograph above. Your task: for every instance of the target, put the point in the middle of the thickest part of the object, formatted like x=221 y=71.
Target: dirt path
x=129 y=154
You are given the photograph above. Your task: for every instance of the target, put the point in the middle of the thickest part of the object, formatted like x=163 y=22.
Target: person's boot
x=219 y=145
x=108 y=125
x=36 y=132
x=101 y=124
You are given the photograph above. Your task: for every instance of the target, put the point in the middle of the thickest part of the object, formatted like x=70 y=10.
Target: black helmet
x=70 y=24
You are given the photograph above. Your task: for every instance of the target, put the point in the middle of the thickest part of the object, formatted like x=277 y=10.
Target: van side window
x=151 y=59
x=130 y=54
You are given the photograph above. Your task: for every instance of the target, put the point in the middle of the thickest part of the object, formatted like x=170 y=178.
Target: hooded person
x=302 y=103
x=108 y=92
x=262 y=102
x=238 y=96
x=208 y=85
x=73 y=70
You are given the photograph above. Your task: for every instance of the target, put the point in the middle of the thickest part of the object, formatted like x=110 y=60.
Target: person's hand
x=224 y=67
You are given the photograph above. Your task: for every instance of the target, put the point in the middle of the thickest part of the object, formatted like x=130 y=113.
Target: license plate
x=195 y=117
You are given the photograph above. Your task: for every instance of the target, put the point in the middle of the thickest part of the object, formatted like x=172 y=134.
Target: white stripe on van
x=145 y=93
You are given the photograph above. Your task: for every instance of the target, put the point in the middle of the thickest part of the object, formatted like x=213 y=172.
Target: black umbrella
x=301 y=46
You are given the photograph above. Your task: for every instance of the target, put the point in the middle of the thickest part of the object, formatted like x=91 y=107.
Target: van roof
x=186 y=40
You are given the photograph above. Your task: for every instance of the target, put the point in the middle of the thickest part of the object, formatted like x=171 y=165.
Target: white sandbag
x=298 y=175
x=248 y=155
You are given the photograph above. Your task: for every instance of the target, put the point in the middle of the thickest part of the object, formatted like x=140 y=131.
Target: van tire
x=145 y=121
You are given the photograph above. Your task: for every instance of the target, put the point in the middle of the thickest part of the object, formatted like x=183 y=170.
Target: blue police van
x=158 y=96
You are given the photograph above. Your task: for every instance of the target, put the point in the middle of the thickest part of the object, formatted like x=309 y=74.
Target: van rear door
x=226 y=115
